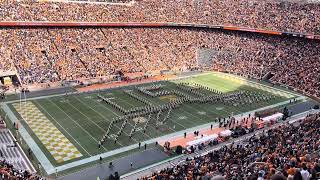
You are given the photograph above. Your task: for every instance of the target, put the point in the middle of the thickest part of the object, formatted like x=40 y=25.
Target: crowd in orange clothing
x=293 y=62
x=295 y=16
x=99 y=1
x=44 y=55
x=290 y=151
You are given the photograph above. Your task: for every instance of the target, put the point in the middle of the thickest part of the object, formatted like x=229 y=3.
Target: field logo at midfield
x=55 y=142
x=139 y=119
x=168 y=97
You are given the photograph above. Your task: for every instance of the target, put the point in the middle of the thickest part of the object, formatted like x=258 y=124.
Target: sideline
x=45 y=163
x=25 y=159
x=50 y=169
x=166 y=164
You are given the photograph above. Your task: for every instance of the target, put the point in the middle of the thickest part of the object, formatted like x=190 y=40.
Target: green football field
x=83 y=119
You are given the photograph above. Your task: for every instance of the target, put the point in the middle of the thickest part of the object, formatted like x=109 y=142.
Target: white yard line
x=255 y=83
x=152 y=118
x=37 y=151
x=145 y=171
x=88 y=118
x=74 y=121
x=134 y=106
x=44 y=109
x=49 y=167
x=97 y=113
x=172 y=80
x=117 y=116
x=177 y=122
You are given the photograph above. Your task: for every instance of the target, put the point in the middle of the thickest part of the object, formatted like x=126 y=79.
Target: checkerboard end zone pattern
x=55 y=142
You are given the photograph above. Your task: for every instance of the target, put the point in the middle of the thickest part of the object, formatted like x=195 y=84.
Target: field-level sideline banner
x=151 y=24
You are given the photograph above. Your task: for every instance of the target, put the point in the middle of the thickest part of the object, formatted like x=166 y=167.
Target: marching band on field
x=184 y=89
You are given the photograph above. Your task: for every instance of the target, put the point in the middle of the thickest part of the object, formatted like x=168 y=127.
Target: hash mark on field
x=133 y=106
x=73 y=120
x=219 y=108
x=202 y=113
x=44 y=109
x=131 y=124
x=87 y=117
x=104 y=117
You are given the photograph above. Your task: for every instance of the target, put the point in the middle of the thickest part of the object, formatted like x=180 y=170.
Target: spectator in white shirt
x=305 y=173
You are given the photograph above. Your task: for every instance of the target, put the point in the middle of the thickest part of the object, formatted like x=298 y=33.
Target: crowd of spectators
x=293 y=62
x=6 y=63
x=44 y=55
x=102 y=1
x=290 y=151
x=293 y=16
x=7 y=171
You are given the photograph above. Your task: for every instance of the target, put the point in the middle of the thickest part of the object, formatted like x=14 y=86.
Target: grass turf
x=84 y=119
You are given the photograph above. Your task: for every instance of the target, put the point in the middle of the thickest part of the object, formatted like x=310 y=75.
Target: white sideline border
x=292 y=120
x=50 y=169
x=25 y=158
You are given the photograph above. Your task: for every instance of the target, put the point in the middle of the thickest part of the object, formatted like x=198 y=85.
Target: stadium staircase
x=267 y=76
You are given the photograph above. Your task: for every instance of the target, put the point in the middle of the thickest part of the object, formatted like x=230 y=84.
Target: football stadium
x=159 y=90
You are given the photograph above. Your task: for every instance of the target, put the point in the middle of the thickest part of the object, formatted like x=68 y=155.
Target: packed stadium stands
x=45 y=55
x=290 y=151
x=95 y=1
x=270 y=14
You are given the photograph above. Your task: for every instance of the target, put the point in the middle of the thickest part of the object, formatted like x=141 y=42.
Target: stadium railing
x=156 y=24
